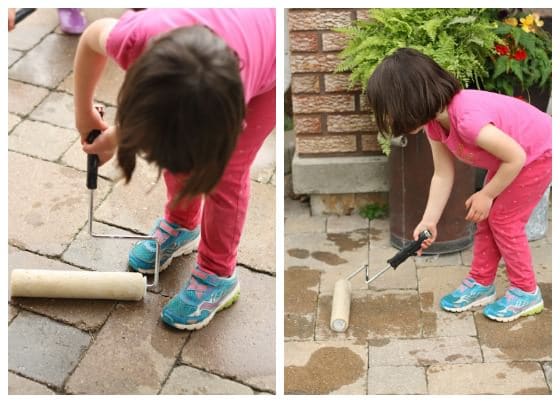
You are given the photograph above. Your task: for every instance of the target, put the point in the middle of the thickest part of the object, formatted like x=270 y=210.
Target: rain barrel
x=411 y=168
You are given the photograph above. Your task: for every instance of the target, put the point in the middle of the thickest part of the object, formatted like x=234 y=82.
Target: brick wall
x=329 y=118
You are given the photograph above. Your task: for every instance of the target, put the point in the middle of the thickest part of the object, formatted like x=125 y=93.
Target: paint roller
x=123 y=286
x=342 y=294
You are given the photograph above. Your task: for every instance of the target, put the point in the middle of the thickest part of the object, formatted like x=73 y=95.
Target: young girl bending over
x=510 y=138
x=198 y=100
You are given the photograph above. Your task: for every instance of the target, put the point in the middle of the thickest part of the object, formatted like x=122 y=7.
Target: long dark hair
x=182 y=107
x=407 y=90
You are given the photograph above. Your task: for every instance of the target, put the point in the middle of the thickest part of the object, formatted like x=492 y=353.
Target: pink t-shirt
x=250 y=32
x=470 y=110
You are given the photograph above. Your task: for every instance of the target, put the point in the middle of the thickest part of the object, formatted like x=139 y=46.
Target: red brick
x=309 y=20
x=364 y=104
x=308 y=83
x=307 y=123
x=325 y=144
x=369 y=143
x=339 y=82
x=304 y=41
x=334 y=41
x=349 y=123
x=322 y=103
x=314 y=63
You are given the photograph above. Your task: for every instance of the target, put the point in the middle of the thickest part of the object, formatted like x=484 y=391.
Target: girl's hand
x=479 y=207
x=88 y=120
x=421 y=227
x=104 y=145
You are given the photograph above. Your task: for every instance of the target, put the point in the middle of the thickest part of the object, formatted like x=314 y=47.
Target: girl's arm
x=513 y=157
x=440 y=189
x=89 y=63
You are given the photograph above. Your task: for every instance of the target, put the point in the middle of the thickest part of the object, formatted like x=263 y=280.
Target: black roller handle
x=92 y=161
x=409 y=250
x=23 y=13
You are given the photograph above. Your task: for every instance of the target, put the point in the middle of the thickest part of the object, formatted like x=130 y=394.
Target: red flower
x=502 y=49
x=520 y=55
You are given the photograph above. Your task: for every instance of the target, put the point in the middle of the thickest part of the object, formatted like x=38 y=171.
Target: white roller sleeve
x=77 y=284
x=342 y=298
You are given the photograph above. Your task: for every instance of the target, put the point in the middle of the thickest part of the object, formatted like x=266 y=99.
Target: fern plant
x=458 y=39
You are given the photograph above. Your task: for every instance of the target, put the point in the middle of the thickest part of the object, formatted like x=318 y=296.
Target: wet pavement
x=107 y=347
x=399 y=341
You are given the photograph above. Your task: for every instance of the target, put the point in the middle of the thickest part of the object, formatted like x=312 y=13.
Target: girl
x=198 y=100
x=510 y=138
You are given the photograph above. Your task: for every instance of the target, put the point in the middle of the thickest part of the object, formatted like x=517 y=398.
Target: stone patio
x=399 y=341
x=108 y=347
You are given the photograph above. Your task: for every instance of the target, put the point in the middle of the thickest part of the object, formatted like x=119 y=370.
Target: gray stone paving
x=399 y=341
x=61 y=346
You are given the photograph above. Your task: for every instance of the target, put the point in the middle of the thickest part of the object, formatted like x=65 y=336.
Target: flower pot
x=411 y=169
x=538 y=222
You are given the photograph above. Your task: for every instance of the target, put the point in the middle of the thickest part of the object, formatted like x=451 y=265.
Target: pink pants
x=224 y=211
x=502 y=234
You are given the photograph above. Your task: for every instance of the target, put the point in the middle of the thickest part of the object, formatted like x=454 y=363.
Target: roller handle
x=23 y=13
x=409 y=250
x=92 y=161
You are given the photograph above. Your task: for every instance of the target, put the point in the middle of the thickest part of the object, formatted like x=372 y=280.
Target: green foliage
x=374 y=210
x=288 y=122
x=459 y=39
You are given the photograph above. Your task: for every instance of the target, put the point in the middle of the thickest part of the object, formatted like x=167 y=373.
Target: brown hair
x=182 y=106
x=407 y=90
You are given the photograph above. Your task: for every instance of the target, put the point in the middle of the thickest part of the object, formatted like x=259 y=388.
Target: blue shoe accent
x=468 y=295
x=174 y=241
x=203 y=296
x=514 y=304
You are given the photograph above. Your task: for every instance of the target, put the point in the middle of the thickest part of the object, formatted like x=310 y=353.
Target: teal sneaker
x=514 y=304
x=468 y=295
x=203 y=296
x=173 y=240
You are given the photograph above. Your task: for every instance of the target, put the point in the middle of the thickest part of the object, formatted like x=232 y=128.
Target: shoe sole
x=232 y=297
x=186 y=249
x=479 y=302
x=528 y=312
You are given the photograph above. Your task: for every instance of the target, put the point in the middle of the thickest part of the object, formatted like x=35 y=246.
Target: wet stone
x=541 y=253
x=379 y=315
x=41 y=140
x=22 y=98
x=324 y=368
x=76 y=158
x=403 y=380
x=299 y=327
x=108 y=86
x=424 y=352
x=31 y=30
x=57 y=109
x=436 y=282
x=136 y=205
x=48 y=63
x=488 y=378
x=100 y=254
x=134 y=348
x=48 y=206
x=301 y=286
x=527 y=338
x=18 y=385
x=446 y=324
x=44 y=350
x=185 y=380
x=87 y=315
x=250 y=323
